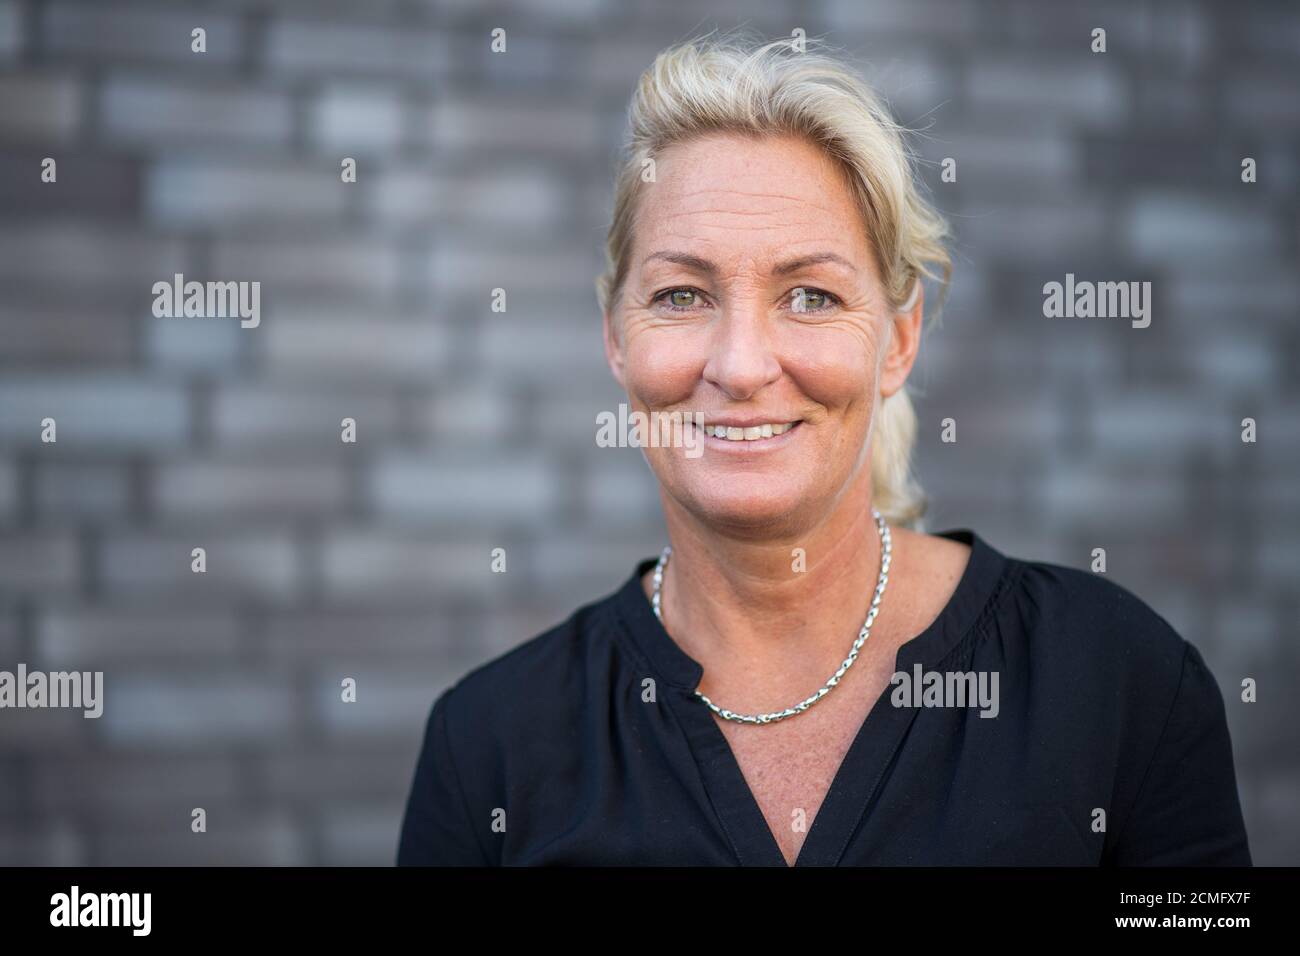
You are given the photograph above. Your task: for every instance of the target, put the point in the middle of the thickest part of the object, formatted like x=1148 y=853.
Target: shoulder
x=1095 y=631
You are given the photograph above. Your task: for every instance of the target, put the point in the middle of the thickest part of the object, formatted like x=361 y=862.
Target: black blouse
x=1110 y=746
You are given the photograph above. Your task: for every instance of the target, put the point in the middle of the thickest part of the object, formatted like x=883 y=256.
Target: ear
x=904 y=342
x=613 y=350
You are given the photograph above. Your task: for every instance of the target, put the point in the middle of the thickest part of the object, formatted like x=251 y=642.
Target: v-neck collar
x=858 y=777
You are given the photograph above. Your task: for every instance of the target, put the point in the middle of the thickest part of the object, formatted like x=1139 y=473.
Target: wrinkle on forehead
x=706 y=183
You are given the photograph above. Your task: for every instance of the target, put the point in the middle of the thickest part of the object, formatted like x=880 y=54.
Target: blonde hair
x=721 y=84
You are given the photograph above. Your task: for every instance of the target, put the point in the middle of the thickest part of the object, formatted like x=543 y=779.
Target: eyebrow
x=698 y=264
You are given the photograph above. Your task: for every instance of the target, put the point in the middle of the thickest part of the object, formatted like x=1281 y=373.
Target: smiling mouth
x=749 y=433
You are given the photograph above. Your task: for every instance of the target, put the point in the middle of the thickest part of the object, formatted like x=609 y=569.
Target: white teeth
x=751 y=433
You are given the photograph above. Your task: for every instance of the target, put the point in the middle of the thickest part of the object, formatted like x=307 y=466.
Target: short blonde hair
x=721 y=84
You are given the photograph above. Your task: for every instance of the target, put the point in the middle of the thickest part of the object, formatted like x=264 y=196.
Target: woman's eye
x=680 y=298
x=809 y=300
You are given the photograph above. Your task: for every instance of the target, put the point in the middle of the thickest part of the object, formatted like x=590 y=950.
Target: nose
x=741 y=357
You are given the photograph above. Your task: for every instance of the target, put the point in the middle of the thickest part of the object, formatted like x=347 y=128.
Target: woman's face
x=712 y=319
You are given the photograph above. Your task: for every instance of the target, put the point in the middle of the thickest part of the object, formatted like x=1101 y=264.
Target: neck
x=741 y=603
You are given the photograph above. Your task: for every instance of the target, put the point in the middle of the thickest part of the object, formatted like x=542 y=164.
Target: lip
x=729 y=447
x=748 y=421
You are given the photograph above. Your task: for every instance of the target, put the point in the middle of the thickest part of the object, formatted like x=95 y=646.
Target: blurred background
x=476 y=429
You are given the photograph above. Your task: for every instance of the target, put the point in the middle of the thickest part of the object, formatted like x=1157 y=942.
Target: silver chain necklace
x=885 y=553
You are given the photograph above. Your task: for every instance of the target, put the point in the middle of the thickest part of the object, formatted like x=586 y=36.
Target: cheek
x=662 y=366
x=835 y=368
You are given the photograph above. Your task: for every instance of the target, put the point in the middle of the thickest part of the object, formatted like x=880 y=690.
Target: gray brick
x=1229 y=361
x=1151 y=423
x=10 y=640
x=1262 y=29
x=1276 y=814
x=512 y=125
x=361 y=266
x=67 y=490
x=620 y=490
x=562 y=12
x=135 y=785
x=61 y=253
x=202 y=192
x=302 y=417
x=1172 y=30
x=349 y=634
x=1171 y=101
x=194 y=345
x=234 y=837
x=517 y=488
x=256 y=564
x=1263 y=99
x=575 y=568
x=506 y=628
x=195 y=488
x=1071 y=496
x=8 y=490
x=475 y=414
x=1055 y=228
x=387 y=701
x=93 y=411
x=569 y=420
x=190 y=711
x=54 y=844
x=1086 y=88
x=362 y=836
x=88 y=185
x=38 y=562
x=1002 y=158
x=36 y=732
x=357 y=120
x=301 y=775
x=524 y=346
x=1278 y=559
x=127 y=31
x=359 y=48
x=1174 y=228
x=1256 y=290
x=927 y=18
x=52 y=334
x=368 y=565
x=169 y=113
x=357 y=344
x=530 y=59
x=39 y=107
x=518 y=200
x=12 y=28
x=102 y=636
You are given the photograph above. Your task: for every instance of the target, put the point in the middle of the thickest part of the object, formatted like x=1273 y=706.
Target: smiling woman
x=730 y=703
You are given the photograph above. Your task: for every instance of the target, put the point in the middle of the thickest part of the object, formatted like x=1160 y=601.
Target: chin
x=748 y=502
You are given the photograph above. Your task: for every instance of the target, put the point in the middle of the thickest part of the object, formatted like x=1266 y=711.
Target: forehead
x=761 y=193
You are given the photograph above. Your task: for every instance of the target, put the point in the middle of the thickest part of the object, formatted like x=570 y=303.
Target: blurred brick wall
x=475 y=428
